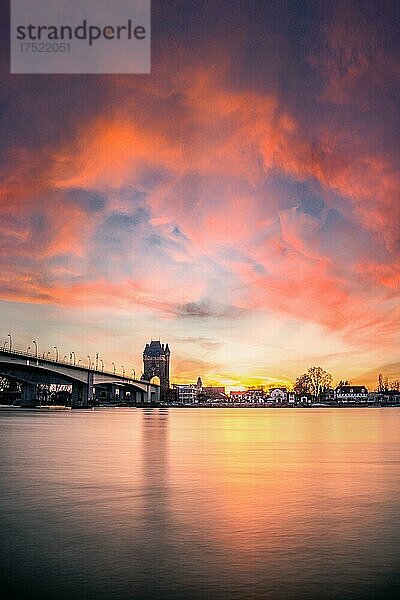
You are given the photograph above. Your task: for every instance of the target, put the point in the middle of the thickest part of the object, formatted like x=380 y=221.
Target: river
x=220 y=504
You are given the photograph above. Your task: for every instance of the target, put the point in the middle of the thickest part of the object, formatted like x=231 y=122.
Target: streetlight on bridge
x=97 y=361
x=9 y=336
x=134 y=373
x=123 y=372
x=113 y=364
x=27 y=350
x=79 y=362
x=36 y=350
x=56 y=349
x=90 y=362
x=102 y=364
x=73 y=354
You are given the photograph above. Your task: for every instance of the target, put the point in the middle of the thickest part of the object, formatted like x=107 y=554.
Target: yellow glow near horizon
x=239 y=385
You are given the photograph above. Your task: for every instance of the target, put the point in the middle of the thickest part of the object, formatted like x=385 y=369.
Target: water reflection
x=175 y=504
x=156 y=528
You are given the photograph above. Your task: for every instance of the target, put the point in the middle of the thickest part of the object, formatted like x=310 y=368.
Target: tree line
x=316 y=381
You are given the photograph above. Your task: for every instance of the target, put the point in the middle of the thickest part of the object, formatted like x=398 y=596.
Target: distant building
x=304 y=398
x=279 y=395
x=328 y=395
x=236 y=396
x=213 y=394
x=385 y=397
x=249 y=396
x=156 y=358
x=213 y=390
x=255 y=396
x=172 y=395
x=351 y=393
x=188 y=393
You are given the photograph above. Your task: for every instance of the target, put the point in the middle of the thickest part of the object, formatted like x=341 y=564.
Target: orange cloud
x=200 y=154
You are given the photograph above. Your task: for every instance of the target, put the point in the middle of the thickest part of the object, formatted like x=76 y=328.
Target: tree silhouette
x=302 y=385
x=314 y=382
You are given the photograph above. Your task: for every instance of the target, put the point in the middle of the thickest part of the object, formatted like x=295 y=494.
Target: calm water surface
x=200 y=503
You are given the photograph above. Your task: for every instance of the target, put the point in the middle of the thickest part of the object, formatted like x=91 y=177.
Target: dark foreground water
x=200 y=503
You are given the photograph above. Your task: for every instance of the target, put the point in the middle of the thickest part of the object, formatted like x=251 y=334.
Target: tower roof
x=155 y=348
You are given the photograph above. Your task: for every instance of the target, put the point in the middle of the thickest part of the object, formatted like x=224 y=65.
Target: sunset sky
x=240 y=203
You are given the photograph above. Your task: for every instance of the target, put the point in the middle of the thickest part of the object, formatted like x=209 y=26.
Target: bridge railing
x=67 y=363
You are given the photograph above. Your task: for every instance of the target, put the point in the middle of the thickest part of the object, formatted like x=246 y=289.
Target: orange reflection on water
x=277 y=477
x=221 y=503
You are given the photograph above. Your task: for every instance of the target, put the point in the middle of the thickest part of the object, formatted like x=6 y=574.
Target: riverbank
x=210 y=405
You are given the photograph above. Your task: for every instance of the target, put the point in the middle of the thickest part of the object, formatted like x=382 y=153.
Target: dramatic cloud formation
x=246 y=193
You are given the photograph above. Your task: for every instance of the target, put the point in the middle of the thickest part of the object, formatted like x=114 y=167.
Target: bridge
x=85 y=383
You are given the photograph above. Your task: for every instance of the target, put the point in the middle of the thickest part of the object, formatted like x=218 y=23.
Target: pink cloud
x=214 y=157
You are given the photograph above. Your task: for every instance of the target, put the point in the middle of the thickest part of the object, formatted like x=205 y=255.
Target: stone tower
x=156 y=364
